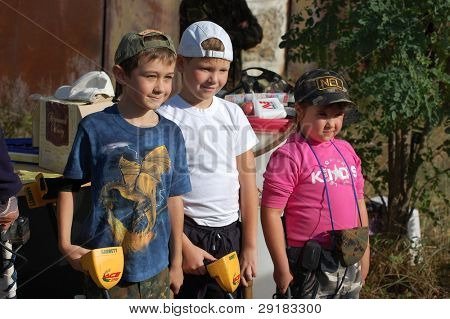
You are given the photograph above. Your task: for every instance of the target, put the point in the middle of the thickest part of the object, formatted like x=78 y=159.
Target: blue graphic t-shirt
x=132 y=171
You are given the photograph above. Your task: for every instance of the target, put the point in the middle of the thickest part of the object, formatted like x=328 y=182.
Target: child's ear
x=119 y=74
x=181 y=61
x=299 y=110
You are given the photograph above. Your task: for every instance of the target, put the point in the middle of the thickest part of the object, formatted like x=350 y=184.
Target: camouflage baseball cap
x=321 y=87
x=134 y=43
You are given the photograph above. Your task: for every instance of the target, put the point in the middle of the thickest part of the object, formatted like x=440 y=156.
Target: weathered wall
x=272 y=15
x=46 y=43
x=137 y=15
x=295 y=70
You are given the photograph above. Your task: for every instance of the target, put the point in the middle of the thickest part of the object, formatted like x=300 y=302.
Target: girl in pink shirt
x=316 y=180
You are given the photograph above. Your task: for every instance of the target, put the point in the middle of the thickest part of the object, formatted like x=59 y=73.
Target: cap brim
x=351 y=113
x=63 y=92
x=342 y=101
x=352 y=116
x=331 y=98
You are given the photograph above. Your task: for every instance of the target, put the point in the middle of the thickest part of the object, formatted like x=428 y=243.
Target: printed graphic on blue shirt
x=132 y=223
x=133 y=172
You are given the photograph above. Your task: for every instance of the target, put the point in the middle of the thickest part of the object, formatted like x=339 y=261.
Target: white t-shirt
x=214 y=137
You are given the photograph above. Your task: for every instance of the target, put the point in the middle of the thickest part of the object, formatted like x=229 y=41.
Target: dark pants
x=218 y=241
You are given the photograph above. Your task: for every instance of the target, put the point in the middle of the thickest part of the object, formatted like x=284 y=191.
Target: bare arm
x=275 y=241
x=249 y=214
x=176 y=213
x=365 y=261
x=71 y=252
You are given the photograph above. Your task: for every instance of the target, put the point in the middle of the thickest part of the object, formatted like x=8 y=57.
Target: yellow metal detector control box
x=226 y=271
x=35 y=191
x=104 y=265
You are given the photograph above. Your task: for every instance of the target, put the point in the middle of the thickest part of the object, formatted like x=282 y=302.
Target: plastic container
x=269 y=108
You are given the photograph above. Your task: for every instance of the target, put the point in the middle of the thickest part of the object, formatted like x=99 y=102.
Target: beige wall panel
x=272 y=16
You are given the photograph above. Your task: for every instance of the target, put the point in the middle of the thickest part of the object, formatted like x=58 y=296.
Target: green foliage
x=394 y=54
x=15 y=124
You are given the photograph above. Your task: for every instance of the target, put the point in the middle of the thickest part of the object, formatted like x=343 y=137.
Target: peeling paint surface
x=48 y=43
x=138 y=15
x=272 y=16
x=45 y=44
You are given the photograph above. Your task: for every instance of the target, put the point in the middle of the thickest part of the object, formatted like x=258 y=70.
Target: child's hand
x=282 y=278
x=73 y=254
x=248 y=258
x=176 y=278
x=193 y=260
x=8 y=213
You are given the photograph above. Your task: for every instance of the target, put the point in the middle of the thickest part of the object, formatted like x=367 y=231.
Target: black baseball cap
x=321 y=87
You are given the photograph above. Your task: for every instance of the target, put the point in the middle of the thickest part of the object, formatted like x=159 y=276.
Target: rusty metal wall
x=126 y=16
x=47 y=43
x=136 y=15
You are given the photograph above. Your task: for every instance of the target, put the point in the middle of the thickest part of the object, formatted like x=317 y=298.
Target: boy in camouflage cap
x=136 y=163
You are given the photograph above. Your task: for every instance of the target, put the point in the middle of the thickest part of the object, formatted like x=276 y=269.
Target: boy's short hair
x=321 y=87
x=205 y=39
x=213 y=44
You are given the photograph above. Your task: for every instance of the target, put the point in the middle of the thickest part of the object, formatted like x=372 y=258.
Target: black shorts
x=218 y=241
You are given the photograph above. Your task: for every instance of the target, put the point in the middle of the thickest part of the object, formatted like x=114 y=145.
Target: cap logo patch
x=329 y=82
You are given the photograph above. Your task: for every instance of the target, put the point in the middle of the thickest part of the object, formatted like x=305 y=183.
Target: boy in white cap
x=219 y=142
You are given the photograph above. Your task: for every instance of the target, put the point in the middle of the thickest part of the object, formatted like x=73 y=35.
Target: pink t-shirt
x=293 y=181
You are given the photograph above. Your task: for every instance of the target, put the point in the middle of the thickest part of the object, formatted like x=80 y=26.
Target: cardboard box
x=35 y=115
x=58 y=123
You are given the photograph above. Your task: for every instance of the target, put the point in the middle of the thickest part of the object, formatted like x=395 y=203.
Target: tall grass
x=394 y=274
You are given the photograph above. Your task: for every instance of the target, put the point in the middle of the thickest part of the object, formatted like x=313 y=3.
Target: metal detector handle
x=8 y=277
x=288 y=293
x=279 y=295
x=106 y=294
x=248 y=291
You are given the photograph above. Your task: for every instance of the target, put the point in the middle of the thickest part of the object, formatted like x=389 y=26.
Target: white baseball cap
x=87 y=87
x=191 y=41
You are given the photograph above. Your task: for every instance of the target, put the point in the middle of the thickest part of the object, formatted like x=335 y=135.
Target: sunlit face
x=149 y=84
x=202 y=78
x=321 y=123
